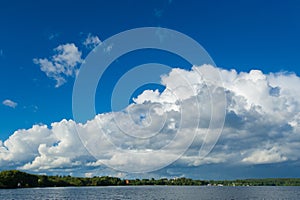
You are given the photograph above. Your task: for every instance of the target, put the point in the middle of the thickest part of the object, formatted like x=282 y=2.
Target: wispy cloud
x=10 y=103
x=91 y=41
x=158 y=12
x=53 y=36
x=64 y=63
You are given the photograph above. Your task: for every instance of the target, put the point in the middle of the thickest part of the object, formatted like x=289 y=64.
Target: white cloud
x=64 y=63
x=65 y=151
x=10 y=103
x=264 y=156
x=88 y=174
x=262 y=126
x=23 y=145
x=91 y=41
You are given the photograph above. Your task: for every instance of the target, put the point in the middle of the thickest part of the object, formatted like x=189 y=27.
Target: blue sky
x=240 y=35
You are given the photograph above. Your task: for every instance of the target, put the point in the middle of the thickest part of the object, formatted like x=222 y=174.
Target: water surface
x=152 y=192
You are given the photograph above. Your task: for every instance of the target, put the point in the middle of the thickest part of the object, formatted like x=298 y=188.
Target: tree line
x=19 y=179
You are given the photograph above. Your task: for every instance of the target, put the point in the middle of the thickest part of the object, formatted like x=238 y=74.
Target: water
x=152 y=192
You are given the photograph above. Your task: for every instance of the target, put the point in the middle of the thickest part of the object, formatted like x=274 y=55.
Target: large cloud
x=262 y=126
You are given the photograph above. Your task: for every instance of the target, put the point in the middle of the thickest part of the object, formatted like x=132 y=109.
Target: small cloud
x=35 y=108
x=31 y=108
x=158 y=12
x=1 y=53
x=91 y=41
x=88 y=175
x=108 y=48
x=53 y=36
x=62 y=64
x=10 y=103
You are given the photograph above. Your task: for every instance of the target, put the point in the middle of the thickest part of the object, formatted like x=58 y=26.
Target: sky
x=255 y=49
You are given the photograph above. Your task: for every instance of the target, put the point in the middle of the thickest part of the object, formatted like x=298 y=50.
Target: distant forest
x=18 y=179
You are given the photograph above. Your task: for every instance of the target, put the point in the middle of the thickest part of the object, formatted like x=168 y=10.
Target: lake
x=152 y=192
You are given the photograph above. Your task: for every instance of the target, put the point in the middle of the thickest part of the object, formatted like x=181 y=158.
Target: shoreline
x=17 y=179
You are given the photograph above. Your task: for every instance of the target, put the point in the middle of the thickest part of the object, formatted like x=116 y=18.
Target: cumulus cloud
x=64 y=63
x=41 y=148
x=91 y=41
x=261 y=126
x=10 y=103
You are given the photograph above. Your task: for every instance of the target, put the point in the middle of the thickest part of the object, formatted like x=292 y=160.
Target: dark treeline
x=15 y=179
